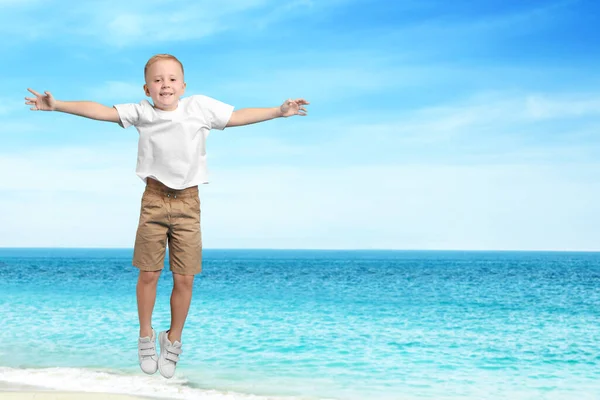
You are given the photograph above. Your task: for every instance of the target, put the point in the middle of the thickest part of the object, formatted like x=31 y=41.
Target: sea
x=312 y=324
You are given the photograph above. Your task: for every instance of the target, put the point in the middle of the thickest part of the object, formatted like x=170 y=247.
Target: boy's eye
x=173 y=79
x=157 y=80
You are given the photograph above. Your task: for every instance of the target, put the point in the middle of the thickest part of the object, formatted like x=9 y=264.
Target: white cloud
x=281 y=11
x=546 y=107
x=413 y=206
x=18 y=3
x=130 y=28
x=68 y=169
x=484 y=129
x=118 y=91
x=15 y=127
x=131 y=23
x=81 y=197
x=9 y=105
x=316 y=84
x=449 y=25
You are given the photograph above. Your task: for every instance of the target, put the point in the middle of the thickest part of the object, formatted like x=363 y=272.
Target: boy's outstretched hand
x=40 y=102
x=293 y=107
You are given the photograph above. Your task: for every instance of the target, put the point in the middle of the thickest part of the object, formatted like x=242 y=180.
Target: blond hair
x=159 y=57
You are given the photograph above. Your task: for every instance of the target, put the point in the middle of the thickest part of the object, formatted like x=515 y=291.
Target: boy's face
x=164 y=84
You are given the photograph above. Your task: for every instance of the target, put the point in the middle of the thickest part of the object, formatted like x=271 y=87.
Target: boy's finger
x=34 y=92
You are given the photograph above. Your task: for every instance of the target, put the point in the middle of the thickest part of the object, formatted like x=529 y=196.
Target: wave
x=98 y=381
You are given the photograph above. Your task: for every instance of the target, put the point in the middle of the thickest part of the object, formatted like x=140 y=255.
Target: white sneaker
x=169 y=355
x=147 y=353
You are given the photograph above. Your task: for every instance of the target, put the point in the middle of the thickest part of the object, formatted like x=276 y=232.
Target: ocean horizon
x=313 y=324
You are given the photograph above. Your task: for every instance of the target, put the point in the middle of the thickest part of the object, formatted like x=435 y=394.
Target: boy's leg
x=185 y=259
x=148 y=256
x=146 y=297
x=181 y=298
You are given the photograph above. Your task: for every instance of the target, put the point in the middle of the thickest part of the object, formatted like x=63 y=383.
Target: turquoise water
x=313 y=324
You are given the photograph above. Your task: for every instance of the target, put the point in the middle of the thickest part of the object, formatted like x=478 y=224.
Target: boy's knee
x=149 y=277
x=185 y=282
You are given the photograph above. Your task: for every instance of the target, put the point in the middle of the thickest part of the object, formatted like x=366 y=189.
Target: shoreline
x=54 y=395
x=9 y=391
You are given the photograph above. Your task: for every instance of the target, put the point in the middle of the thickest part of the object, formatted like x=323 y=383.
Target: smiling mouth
x=166 y=94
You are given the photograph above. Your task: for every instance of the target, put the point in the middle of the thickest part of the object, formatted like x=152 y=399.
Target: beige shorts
x=170 y=217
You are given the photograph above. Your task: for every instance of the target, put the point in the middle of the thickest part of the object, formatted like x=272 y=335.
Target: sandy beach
x=26 y=392
x=64 y=396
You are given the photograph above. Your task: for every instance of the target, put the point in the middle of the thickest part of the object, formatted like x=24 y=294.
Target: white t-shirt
x=172 y=144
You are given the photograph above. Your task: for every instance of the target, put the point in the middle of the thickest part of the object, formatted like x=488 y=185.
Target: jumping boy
x=172 y=163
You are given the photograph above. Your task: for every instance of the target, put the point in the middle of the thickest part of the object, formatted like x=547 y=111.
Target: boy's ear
x=146 y=90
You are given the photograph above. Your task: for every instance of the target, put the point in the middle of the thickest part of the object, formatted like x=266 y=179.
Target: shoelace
x=146 y=350
x=173 y=353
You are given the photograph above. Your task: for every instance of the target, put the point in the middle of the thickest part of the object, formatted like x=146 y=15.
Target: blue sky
x=432 y=124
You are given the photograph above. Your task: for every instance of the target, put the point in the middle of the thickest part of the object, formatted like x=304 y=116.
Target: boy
x=172 y=163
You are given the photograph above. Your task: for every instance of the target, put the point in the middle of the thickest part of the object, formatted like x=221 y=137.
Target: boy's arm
x=88 y=109
x=246 y=116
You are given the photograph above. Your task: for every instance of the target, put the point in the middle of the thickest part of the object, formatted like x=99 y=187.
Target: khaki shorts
x=170 y=217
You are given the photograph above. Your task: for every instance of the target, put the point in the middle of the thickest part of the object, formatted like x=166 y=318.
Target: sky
x=433 y=125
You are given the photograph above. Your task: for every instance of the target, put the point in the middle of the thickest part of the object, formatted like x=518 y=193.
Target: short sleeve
x=129 y=114
x=217 y=113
